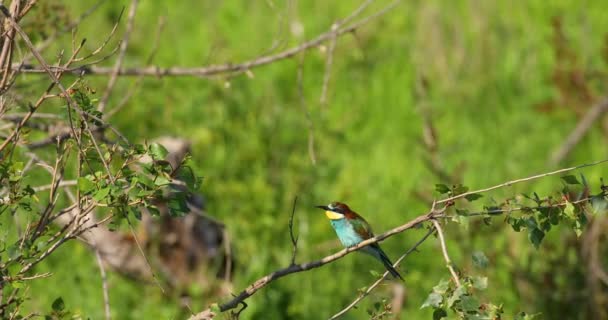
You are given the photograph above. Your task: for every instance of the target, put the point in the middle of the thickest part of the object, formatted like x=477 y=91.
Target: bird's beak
x=326 y=208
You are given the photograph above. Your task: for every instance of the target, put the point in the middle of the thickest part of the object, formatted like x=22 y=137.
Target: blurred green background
x=492 y=95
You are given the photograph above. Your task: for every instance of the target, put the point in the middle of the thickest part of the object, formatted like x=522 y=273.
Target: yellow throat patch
x=333 y=215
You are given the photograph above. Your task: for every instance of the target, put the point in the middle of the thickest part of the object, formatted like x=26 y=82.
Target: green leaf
x=85 y=185
x=459 y=292
x=480 y=283
x=536 y=237
x=153 y=210
x=459 y=189
x=161 y=181
x=531 y=223
x=480 y=260
x=473 y=196
x=569 y=211
x=178 y=205
x=101 y=194
x=158 y=152
x=599 y=205
x=469 y=303
x=442 y=287
x=570 y=179
x=439 y=313
x=139 y=149
x=58 y=305
x=442 y=188
x=433 y=300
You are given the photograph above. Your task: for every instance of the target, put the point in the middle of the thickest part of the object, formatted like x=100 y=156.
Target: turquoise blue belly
x=346 y=233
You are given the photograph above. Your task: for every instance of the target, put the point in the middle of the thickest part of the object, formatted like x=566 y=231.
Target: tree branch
x=386 y=273
x=120 y=58
x=579 y=131
x=430 y=215
x=214 y=70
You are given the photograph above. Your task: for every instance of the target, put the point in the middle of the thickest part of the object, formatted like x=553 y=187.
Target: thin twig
x=121 y=56
x=431 y=214
x=377 y=282
x=311 y=135
x=444 y=250
x=104 y=286
x=579 y=131
x=512 y=182
x=215 y=70
x=332 y=46
x=135 y=87
x=262 y=282
x=294 y=238
x=141 y=251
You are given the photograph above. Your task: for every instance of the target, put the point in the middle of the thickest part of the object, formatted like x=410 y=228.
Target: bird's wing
x=362 y=227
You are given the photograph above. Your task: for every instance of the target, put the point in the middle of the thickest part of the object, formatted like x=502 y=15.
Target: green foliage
x=250 y=141
x=462 y=300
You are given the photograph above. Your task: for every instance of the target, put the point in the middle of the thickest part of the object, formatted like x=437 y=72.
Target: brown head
x=336 y=210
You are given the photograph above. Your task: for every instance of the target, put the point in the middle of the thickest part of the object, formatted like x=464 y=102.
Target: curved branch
x=262 y=282
x=214 y=70
x=431 y=215
x=375 y=284
x=516 y=181
x=448 y=261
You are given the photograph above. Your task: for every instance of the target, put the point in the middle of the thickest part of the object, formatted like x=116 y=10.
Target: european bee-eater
x=352 y=229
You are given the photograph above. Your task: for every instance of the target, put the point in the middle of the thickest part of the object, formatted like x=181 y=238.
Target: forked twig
x=377 y=282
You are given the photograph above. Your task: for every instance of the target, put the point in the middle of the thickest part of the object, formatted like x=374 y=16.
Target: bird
x=352 y=229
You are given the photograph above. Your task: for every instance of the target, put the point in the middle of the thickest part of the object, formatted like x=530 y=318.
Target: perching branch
x=386 y=273
x=430 y=215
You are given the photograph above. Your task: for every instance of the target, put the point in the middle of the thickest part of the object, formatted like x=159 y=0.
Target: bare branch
x=135 y=87
x=386 y=273
x=311 y=135
x=579 y=131
x=432 y=214
x=512 y=182
x=294 y=238
x=230 y=68
x=444 y=250
x=104 y=286
x=120 y=58
x=332 y=46
x=262 y=282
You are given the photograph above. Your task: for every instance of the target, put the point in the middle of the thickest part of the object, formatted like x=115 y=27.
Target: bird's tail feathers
x=388 y=264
